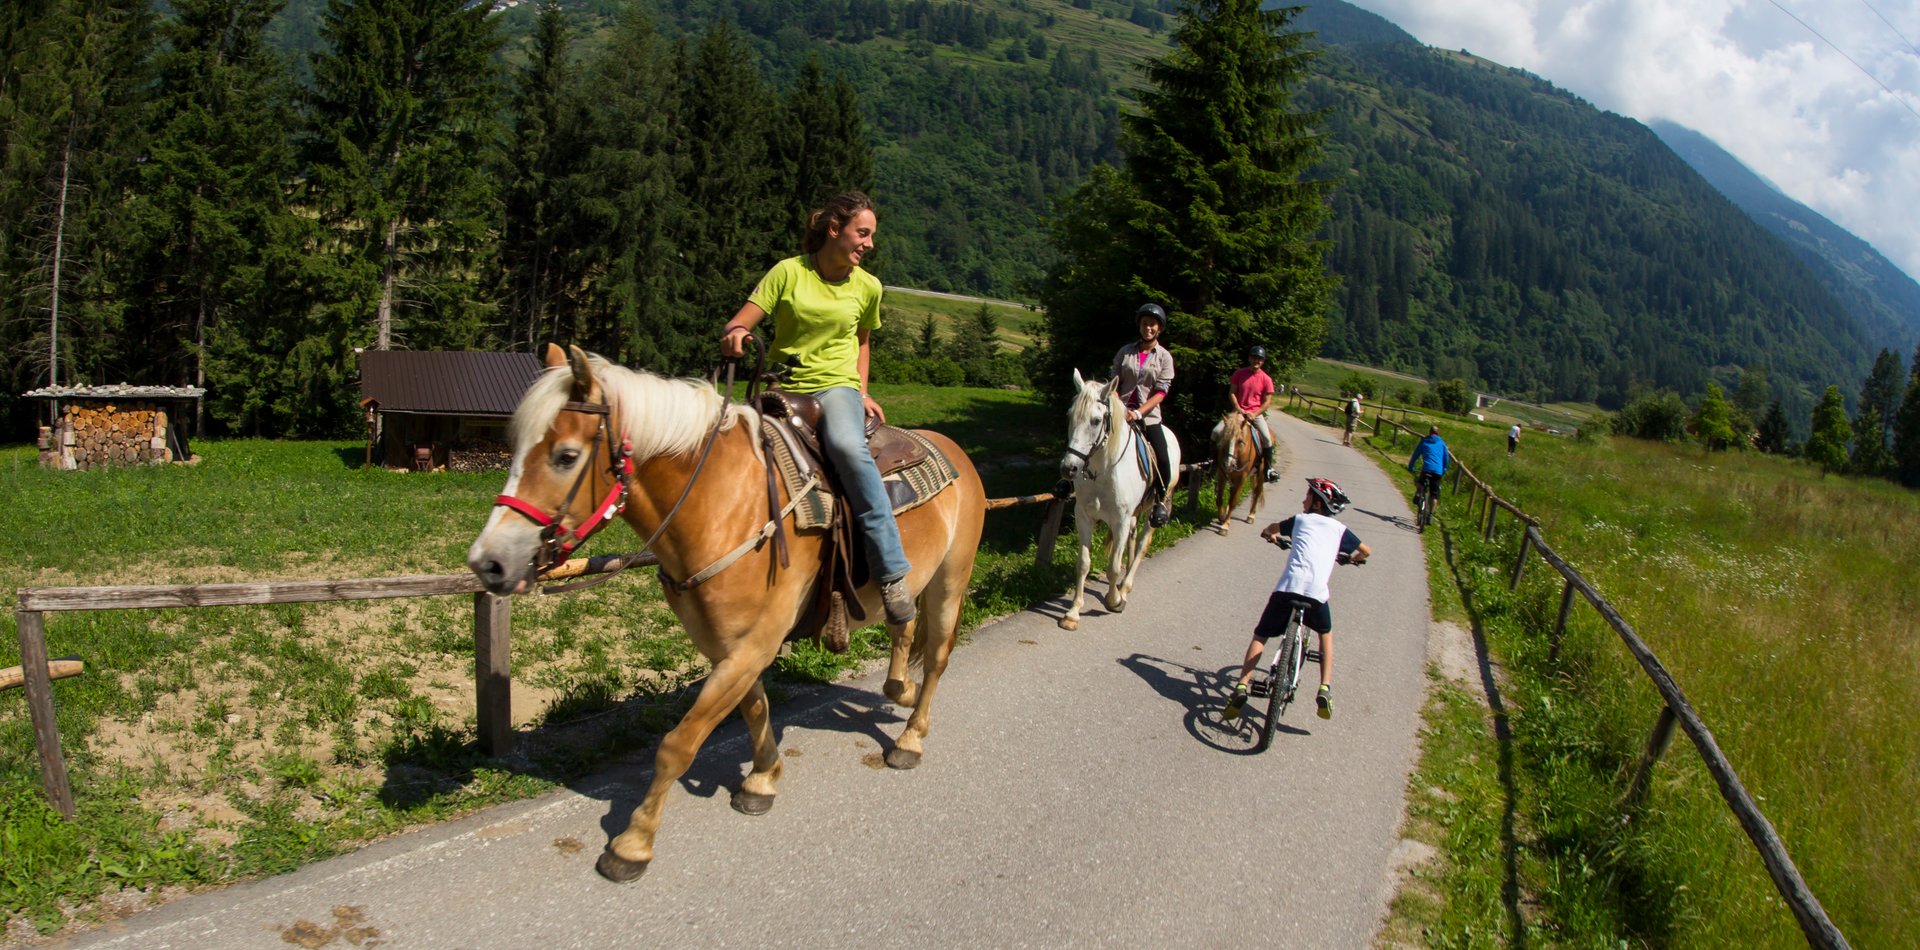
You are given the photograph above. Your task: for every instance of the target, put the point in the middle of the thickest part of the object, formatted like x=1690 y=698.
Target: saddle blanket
x=908 y=488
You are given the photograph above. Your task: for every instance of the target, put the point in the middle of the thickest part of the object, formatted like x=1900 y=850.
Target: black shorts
x=1273 y=620
x=1431 y=480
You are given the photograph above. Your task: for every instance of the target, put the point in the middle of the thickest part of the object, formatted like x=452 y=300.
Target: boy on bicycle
x=1317 y=542
x=1428 y=463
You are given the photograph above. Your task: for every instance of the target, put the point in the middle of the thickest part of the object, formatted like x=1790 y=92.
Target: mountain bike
x=1283 y=676
x=1426 y=494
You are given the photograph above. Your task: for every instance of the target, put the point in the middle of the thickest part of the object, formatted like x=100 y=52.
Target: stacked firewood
x=479 y=455
x=110 y=434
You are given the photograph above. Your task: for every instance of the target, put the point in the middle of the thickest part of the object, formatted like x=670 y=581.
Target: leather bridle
x=557 y=541
x=1098 y=442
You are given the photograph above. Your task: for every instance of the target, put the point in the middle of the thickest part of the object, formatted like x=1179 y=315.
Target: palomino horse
x=590 y=436
x=1236 y=461
x=1108 y=487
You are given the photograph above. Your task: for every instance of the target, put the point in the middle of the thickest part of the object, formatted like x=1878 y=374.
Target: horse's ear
x=1079 y=382
x=555 y=356
x=582 y=372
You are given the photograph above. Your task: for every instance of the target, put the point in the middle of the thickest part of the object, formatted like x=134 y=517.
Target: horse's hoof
x=618 y=869
x=898 y=758
x=750 y=803
x=1248 y=519
x=1118 y=608
x=1069 y=623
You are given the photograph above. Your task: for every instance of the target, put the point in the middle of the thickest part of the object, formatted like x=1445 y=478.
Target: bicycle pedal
x=1257 y=688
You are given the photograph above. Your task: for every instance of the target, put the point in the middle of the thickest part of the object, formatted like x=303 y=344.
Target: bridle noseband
x=1098 y=442
x=557 y=541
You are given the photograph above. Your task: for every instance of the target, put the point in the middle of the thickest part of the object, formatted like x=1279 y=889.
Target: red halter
x=557 y=541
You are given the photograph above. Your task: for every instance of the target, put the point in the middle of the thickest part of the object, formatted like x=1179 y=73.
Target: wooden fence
x=1485 y=506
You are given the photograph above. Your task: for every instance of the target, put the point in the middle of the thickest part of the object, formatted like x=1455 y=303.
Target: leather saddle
x=795 y=418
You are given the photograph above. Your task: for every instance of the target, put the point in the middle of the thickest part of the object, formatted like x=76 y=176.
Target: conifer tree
x=211 y=226
x=823 y=146
x=1827 y=446
x=539 y=247
x=1906 y=429
x=1712 y=421
x=402 y=108
x=1880 y=393
x=1773 y=435
x=1213 y=216
x=631 y=210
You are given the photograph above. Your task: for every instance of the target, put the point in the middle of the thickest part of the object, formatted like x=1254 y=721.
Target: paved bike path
x=1079 y=788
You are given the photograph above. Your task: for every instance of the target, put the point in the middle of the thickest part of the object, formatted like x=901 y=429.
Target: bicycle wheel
x=1281 y=682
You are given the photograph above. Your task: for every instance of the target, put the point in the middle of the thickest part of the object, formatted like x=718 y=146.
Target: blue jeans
x=843 y=436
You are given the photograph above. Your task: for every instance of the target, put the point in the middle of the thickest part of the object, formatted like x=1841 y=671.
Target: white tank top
x=1316 y=551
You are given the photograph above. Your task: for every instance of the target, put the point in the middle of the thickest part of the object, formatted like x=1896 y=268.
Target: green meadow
x=214 y=745
x=1782 y=603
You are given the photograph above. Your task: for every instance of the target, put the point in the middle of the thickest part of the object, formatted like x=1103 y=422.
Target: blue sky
x=1743 y=73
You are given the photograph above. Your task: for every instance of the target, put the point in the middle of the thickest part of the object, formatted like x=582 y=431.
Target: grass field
x=208 y=746
x=905 y=309
x=1782 y=603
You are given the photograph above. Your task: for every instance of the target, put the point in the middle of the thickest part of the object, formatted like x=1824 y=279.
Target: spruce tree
x=1712 y=421
x=402 y=111
x=1827 y=445
x=1906 y=429
x=822 y=145
x=630 y=207
x=1880 y=393
x=1213 y=217
x=1774 y=435
x=210 y=219
x=540 y=256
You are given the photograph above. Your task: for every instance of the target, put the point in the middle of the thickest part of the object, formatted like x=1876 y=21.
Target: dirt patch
x=1452 y=651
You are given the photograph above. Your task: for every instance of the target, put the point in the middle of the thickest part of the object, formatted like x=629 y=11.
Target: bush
x=1594 y=429
x=1453 y=396
x=1661 y=417
x=1355 y=384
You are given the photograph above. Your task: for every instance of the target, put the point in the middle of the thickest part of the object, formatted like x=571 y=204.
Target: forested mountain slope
x=1882 y=297
x=1492 y=225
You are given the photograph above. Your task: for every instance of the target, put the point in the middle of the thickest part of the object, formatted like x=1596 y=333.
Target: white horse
x=1103 y=461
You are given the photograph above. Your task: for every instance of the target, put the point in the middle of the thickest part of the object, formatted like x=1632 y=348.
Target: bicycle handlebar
x=1286 y=542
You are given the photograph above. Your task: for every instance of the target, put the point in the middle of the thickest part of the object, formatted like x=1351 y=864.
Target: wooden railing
x=1484 y=505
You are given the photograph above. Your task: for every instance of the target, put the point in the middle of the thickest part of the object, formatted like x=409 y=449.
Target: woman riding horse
x=824 y=307
x=1145 y=371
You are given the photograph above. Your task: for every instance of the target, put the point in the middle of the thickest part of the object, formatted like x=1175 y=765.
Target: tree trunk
x=59 y=239
x=390 y=271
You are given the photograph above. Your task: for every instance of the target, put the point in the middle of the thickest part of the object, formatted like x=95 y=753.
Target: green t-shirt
x=816 y=322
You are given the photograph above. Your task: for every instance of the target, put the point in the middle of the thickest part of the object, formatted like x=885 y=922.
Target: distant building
x=442 y=409
x=107 y=426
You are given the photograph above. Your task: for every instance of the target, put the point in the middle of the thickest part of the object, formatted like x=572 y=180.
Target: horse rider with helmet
x=1145 y=371
x=1252 y=389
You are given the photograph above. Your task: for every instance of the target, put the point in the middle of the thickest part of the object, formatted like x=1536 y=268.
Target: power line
x=1890 y=26
x=1843 y=55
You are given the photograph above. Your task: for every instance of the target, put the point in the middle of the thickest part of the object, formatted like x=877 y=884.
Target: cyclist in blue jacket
x=1429 y=460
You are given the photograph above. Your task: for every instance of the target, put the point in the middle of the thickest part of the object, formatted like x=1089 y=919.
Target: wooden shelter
x=102 y=426
x=430 y=410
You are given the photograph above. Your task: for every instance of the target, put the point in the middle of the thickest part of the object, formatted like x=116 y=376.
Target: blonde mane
x=658 y=415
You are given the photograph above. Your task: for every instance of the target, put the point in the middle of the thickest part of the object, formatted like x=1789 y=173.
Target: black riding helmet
x=1256 y=352
x=1151 y=310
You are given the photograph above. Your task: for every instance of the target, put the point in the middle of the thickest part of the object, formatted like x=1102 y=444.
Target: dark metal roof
x=457 y=383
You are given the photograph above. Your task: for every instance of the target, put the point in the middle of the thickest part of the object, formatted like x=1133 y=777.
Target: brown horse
x=1236 y=462
x=681 y=439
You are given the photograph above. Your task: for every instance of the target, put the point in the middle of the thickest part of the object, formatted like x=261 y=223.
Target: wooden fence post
x=1656 y=745
x=46 y=726
x=493 y=672
x=1456 y=479
x=1520 y=564
x=1049 y=530
x=1493 y=513
x=1560 y=625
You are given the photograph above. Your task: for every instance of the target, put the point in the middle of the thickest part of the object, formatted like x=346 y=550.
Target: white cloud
x=1741 y=72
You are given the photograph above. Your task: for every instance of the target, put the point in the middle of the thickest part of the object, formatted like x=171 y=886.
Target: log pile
x=105 y=435
x=479 y=455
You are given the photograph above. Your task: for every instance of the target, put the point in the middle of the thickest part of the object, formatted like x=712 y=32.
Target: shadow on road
x=1202 y=694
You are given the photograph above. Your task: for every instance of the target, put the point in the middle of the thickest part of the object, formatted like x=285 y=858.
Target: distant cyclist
x=1252 y=390
x=1316 y=543
x=1429 y=462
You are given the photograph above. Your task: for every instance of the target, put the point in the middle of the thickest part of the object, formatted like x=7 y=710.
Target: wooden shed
x=431 y=409
x=103 y=426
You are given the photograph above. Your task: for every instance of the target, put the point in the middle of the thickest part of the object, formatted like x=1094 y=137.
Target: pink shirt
x=1251 y=387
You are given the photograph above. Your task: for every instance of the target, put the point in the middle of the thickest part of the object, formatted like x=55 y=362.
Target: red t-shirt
x=1251 y=387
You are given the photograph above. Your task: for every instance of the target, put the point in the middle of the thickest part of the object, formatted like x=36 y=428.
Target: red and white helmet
x=1329 y=494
